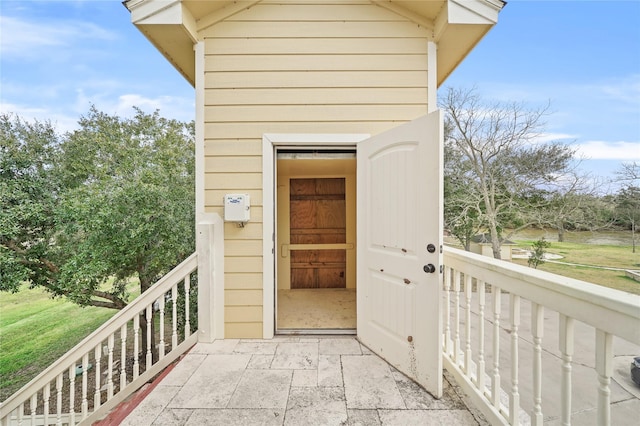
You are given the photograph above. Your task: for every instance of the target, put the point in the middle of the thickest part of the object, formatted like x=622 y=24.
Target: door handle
x=429 y=268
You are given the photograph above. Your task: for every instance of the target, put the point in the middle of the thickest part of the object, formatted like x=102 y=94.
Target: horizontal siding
x=247 y=129
x=312 y=79
x=251 y=231
x=243 y=264
x=243 y=330
x=303 y=96
x=314 y=12
x=237 y=164
x=322 y=29
x=234 y=181
x=243 y=281
x=243 y=248
x=213 y=197
x=231 y=147
x=317 y=113
x=344 y=62
x=243 y=297
x=243 y=314
x=296 y=68
x=317 y=46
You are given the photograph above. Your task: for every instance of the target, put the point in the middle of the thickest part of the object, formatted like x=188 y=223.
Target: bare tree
x=629 y=172
x=500 y=161
x=628 y=198
x=574 y=203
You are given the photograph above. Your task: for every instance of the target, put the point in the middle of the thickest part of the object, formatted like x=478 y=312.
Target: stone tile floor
x=294 y=381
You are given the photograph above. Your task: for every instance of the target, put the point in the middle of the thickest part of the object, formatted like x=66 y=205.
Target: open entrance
x=315 y=241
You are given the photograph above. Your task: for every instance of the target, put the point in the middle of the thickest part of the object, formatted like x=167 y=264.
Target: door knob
x=429 y=268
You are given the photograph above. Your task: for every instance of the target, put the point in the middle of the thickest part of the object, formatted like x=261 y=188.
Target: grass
x=578 y=252
x=36 y=330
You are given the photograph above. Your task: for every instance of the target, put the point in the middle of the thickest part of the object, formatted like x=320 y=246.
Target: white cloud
x=552 y=137
x=61 y=122
x=601 y=150
x=169 y=106
x=626 y=90
x=25 y=39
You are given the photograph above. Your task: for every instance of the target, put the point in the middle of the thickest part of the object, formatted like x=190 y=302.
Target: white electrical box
x=237 y=208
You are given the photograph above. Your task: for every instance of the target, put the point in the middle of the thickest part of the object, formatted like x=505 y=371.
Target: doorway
x=315 y=241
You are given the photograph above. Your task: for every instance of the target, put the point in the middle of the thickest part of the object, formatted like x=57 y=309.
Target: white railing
x=111 y=363
x=496 y=314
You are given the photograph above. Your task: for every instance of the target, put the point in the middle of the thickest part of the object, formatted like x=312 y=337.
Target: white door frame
x=270 y=142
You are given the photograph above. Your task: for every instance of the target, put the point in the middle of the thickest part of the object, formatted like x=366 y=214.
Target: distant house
x=481 y=244
x=318 y=120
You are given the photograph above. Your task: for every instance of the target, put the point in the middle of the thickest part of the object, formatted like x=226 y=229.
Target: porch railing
x=484 y=300
x=112 y=363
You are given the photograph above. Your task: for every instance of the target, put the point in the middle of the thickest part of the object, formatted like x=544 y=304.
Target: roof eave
x=173 y=29
x=459 y=28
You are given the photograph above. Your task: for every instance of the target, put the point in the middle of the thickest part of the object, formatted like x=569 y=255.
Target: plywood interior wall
x=289 y=170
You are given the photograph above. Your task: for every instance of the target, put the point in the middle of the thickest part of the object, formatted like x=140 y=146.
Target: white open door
x=399 y=190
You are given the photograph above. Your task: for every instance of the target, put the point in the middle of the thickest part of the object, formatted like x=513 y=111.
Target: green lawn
x=580 y=253
x=36 y=330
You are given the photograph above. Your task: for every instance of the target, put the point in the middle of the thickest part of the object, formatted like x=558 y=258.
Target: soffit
x=172 y=25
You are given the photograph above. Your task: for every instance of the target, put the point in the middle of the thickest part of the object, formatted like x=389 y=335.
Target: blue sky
x=59 y=57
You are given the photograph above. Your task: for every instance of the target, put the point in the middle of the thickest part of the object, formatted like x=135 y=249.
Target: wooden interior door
x=317 y=221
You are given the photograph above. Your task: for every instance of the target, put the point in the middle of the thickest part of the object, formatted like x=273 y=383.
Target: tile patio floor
x=294 y=381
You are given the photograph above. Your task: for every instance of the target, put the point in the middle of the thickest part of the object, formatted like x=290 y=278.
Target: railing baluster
x=447 y=310
x=456 y=317
x=174 y=317
x=32 y=407
x=72 y=394
x=514 y=397
x=21 y=414
x=66 y=392
x=85 y=403
x=161 y=347
x=110 y=344
x=123 y=356
x=149 y=360
x=97 y=355
x=187 y=323
x=604 y=368
x=467 y=351
x=481 y=367
x=136 y=349
x=566 y=350
x=495 y=379
x=59 y=399
x=46 y=396
x=537 y=331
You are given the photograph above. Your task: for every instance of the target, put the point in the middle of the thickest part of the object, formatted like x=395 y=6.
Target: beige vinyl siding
x=296 y=68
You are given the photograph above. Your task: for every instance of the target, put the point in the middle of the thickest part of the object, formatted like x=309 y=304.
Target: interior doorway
x=315 y=241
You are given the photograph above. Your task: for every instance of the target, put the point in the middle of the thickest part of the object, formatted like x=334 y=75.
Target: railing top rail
x=61 y=365
x=605 y=308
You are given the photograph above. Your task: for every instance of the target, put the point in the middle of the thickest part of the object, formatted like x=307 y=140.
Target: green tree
x=462 y=207
x=504 y=172
x=627 y=210
x=108 y=202
x=28 y=196
x=537 y=255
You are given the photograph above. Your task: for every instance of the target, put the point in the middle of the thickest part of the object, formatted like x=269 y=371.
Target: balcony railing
x=501 y=360
x=485 y=300
x=112 y=362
